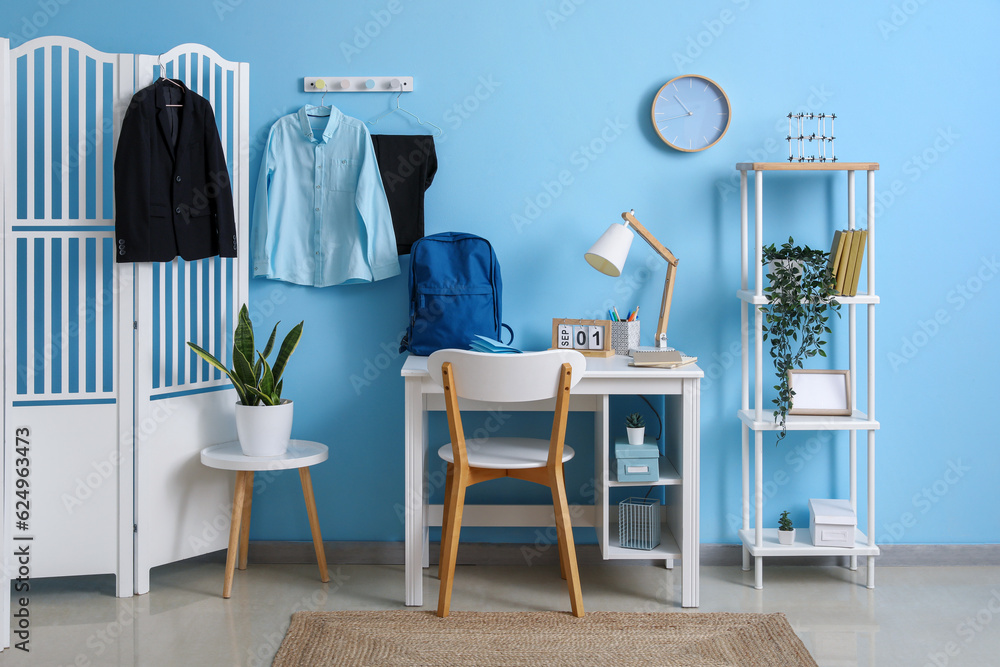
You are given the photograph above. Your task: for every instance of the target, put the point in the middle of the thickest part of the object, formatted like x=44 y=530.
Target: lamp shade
x=608 y=254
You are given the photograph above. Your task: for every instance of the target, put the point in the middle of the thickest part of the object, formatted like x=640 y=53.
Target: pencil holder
x=624 y=336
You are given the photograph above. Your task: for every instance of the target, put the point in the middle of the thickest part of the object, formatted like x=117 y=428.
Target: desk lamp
x=609 y=253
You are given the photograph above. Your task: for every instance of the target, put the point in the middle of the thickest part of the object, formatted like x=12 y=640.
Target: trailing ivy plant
x=800 y=297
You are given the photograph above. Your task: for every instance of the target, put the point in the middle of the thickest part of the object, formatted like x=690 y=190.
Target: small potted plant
x=800 y=298
x=635 y=426
x=786 y=533
x=263 y=418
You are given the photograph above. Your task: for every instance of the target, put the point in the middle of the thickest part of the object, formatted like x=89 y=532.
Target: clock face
x=690 y=113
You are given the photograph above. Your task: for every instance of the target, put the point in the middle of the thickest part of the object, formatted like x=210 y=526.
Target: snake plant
x=256 y=382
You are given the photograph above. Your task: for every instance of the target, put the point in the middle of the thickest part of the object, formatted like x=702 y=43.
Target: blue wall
x=528 y=90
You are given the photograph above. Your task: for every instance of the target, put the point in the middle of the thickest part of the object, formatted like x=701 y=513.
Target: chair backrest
x=506 y=378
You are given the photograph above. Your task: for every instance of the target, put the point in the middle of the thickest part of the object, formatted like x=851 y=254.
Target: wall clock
x=691 y=113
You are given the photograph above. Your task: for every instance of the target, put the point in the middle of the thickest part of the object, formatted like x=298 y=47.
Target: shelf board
x=666 y=549
x=807 y=166
x=668 y=476
x=858 y=421
x=749 y=296
x=803 y=545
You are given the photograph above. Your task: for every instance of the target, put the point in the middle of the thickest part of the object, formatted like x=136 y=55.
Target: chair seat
x=507 y=453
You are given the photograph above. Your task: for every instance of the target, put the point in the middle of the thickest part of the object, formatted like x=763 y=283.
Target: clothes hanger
x=162 y=70
x=321 y=107
x=409 y=113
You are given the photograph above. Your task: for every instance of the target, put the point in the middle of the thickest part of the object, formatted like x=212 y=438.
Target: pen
x=635 y=315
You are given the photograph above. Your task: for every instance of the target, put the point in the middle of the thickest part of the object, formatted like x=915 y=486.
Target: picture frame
x=820 y=392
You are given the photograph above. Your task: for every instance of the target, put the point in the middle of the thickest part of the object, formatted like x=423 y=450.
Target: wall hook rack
x=358 y=84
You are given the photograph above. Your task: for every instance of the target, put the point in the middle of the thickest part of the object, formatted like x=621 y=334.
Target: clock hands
x=683 y=115
x=689 y=112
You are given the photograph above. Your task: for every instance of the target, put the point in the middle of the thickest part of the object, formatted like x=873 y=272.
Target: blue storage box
x=637 y=463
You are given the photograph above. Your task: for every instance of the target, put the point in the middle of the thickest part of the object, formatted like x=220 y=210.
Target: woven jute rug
x=401 y=638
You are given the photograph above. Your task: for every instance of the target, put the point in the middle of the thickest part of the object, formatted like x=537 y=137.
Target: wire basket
x=639 y=523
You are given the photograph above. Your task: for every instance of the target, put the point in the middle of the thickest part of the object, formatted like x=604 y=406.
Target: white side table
x=228 y=456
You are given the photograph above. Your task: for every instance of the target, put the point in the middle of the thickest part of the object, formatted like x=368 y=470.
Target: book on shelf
x=836 y=251
x=845 y=260
x=856 y=275
x=846 y=255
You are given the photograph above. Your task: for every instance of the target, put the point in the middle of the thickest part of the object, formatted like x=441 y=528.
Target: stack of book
x=846 y=254
x=659 y=357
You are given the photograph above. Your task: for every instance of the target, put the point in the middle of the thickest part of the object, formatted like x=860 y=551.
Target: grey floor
x=916 y=616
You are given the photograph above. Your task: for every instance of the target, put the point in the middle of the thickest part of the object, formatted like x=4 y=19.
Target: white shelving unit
x=759 y=542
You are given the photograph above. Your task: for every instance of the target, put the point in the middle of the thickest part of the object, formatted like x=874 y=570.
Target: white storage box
x=831 y=523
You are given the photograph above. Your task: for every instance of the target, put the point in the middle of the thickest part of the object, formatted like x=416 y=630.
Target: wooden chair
x=506 y=378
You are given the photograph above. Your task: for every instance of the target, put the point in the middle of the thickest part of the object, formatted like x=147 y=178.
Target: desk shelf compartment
x=677 y=486
x=758 y=420
x=668 y=549
x=668 y=476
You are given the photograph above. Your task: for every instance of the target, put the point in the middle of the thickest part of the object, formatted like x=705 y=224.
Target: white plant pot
x=264 y=430
x=786 y=537
x=636 y=436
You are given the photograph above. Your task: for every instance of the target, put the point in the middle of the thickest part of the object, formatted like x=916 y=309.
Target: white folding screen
x=110 y=406
x=65 y=307
x=183 y=404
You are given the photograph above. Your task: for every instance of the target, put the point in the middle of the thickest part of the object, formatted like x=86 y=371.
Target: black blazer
x=172 y=190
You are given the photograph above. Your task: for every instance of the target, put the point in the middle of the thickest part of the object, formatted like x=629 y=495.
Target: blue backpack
x=455 y=293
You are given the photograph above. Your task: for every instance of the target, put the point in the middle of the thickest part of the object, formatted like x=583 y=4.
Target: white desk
x=603 y=377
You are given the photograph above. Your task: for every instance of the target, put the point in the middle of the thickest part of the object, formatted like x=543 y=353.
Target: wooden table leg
x=234 y=531
x=307 y=492
x=245 y=524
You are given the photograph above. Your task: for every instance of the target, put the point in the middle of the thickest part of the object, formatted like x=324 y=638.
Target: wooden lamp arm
x=662 y=250
x=668 y=285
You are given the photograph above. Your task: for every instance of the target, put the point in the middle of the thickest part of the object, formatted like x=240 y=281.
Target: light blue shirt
x=321 y=217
